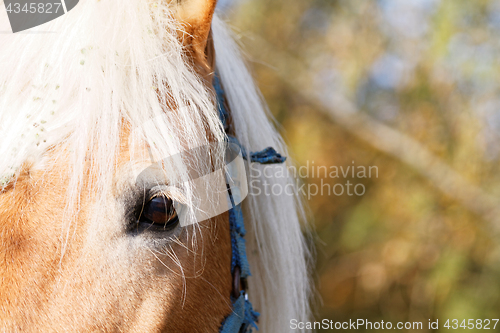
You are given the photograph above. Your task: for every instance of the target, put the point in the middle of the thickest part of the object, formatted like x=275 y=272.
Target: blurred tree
x=411 y=87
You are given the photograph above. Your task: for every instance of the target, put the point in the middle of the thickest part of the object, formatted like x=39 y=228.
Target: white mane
x=280 y=285
x=107 y=62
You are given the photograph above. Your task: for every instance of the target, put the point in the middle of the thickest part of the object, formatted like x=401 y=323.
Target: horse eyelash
x=167 y=191
x=157 y=194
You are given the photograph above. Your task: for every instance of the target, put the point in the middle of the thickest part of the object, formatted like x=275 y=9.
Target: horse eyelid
x=158 y=191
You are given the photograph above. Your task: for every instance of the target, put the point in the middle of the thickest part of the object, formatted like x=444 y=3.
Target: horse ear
x=196 y=18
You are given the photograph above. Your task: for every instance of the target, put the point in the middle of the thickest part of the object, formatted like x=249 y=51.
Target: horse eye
x=159 y=213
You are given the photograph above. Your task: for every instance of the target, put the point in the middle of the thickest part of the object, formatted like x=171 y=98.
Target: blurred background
x=411 y=87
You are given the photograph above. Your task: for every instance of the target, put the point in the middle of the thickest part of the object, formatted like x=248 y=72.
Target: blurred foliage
x=428 y=68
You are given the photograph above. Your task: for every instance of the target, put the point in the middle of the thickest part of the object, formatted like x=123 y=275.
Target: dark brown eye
x=159 y=213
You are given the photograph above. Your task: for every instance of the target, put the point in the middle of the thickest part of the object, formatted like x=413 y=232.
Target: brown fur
x=195 y=17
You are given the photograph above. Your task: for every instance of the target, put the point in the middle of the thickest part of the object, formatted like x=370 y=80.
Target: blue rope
x=221 y=100
x=267 y=156
x=243 y=318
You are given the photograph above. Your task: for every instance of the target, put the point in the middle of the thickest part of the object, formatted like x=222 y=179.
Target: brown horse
x=84 y=246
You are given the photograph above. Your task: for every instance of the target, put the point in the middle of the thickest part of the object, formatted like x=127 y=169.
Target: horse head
x=91 y=233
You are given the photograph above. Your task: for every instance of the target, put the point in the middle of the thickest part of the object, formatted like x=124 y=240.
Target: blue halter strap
x=243 y=318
